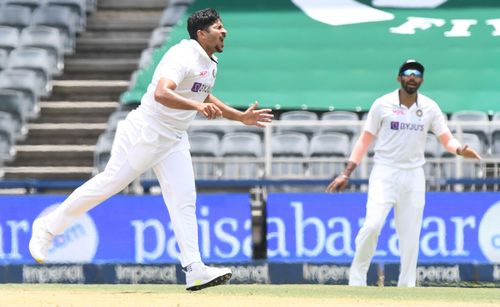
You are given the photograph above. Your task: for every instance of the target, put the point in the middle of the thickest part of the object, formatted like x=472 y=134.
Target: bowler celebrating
x=154 y=136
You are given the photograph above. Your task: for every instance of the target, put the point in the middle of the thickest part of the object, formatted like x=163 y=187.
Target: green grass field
x=242 y=295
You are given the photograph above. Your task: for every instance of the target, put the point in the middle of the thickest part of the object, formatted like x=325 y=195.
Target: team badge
x=420 y=113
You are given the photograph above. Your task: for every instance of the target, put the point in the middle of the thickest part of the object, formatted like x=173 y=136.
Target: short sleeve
x=438 y=124
x=172 y=67
x=373 y=120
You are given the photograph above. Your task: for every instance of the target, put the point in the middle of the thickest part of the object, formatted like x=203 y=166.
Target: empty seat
x=145 y=58
x=432 y=150
x=495 y=134
x=286 y=148
x=4 y=56
x=46 y=38
x=78 y=7
x=15 y=16
x=326 y=146
x=219 y=126
x=115 y=118
x=61 y=18
x=9 y=38
x=203 y=145
x=470 y=168
x=102 y=151
x=90 y=5
x=299 y=116
x=479 y=123
x=25 y=82
x=31 y=4
x=172 y=14
x=6 y=137
x=159 y=37
x=12 y=102
x=350 y=130
x=432 y=146
x=37 y=60
x=238 y=145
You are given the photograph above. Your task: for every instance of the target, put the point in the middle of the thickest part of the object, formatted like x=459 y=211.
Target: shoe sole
x=214 y=282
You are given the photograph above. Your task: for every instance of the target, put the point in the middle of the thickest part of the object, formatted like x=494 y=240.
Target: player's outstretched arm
x=358 y=152
x=251 y=116
x=453 y=145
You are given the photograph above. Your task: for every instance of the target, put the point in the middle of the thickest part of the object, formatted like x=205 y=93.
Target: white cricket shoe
x=40 y=241
x=200 y=276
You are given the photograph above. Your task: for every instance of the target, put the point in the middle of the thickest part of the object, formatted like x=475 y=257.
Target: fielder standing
x=154 y=136
x=400 y=120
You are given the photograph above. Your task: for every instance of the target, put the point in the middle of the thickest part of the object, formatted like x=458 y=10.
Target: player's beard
x=410 y=89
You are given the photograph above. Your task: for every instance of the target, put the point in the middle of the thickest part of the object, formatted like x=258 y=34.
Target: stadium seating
x=286 y=148
x=4 y=55
x=24 y=81
x=6 y=137
x=159 y=36
x=146 y=58
x=238 y=145
x=9 y=38
x=172 y=13
x=475 y=117
x=114 y=119
x=12 y=102
x=61 y=18
x=328 y=145
x=15 y=16
x=31 y=4
x=350 y=130
x=211 y=126
x=49 y=39
x=299 y=115
x=36 y=60
x=470 y=168
x=204 y=144
x=78 y=7
x=102 y=151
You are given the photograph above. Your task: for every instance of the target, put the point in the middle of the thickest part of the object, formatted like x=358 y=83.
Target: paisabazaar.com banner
x=456 y=228
x=306 y=227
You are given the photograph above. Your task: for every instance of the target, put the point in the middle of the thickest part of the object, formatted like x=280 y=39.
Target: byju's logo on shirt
x=406 y=126
x=200 y=87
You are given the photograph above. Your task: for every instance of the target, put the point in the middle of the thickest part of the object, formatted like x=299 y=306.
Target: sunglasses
x=414 y=72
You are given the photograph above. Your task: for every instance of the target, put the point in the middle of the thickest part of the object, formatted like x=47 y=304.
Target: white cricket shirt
x=400 y=131
x=193 y=71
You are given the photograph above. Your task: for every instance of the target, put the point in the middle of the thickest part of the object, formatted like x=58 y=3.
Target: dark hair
x=201 y=20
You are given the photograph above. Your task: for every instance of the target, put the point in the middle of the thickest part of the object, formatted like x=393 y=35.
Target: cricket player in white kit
x=154 y=136
x=400 y=121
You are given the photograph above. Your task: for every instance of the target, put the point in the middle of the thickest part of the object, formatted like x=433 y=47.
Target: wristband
x=344 y=176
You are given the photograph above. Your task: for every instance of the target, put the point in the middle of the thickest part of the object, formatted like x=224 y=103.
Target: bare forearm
x=227 y=111
x=171 y=99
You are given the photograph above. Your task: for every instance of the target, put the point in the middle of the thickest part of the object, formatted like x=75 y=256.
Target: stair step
x=132 y=4
x=124 y=20
x=87 y=90
x=63 y=133
x=112 y=43
x=53 y=155
x=66 y=172
x=75 y=111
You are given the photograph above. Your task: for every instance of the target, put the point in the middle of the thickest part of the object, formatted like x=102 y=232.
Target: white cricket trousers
x=137 y=148
x=403 y=190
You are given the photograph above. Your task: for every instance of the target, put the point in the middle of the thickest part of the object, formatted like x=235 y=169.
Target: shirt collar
x=202 y=51
x=396 y=92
